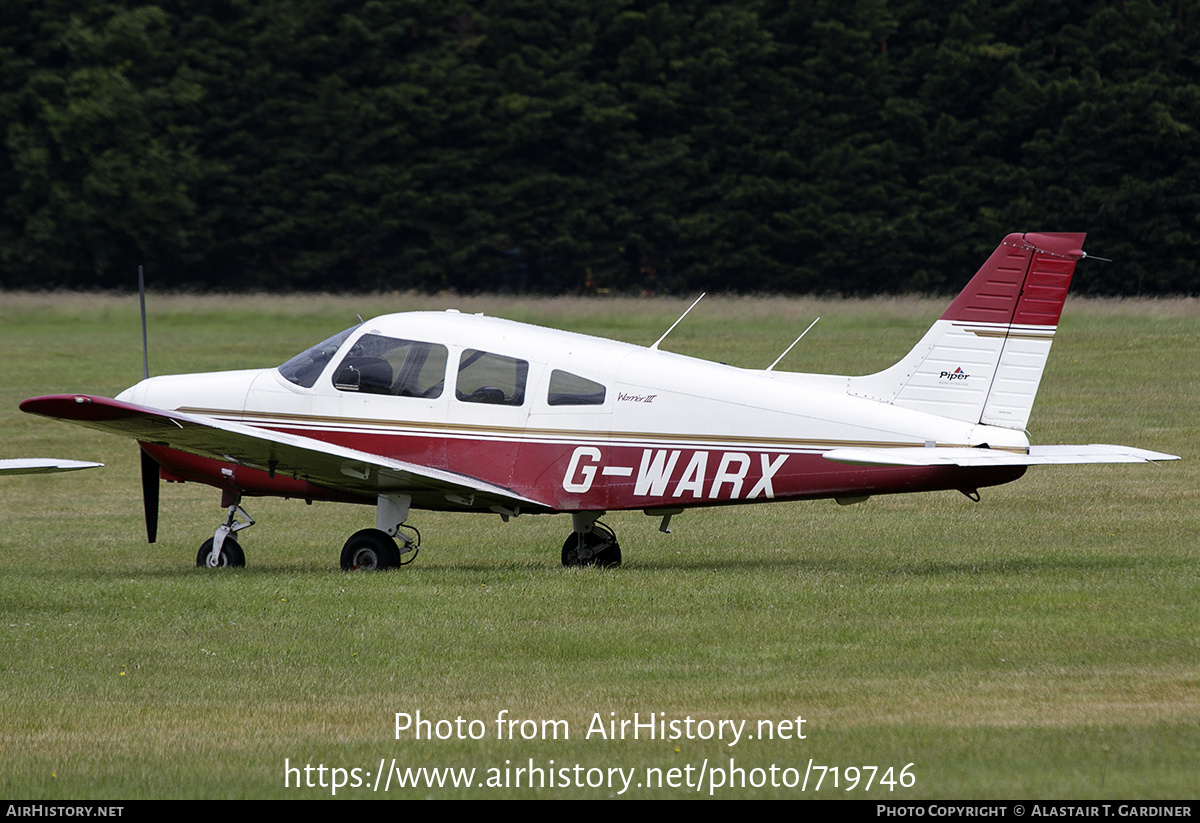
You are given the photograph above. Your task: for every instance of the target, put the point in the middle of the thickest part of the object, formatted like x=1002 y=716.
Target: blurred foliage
x=553 y=146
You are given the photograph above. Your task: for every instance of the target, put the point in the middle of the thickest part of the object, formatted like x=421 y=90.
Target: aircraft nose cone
x=220 y=391
x=134 y=394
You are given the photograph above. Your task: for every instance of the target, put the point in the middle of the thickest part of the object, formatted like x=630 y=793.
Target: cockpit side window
x=568 y=389
x=491 y=378
x=385 y=365
x=306 y=367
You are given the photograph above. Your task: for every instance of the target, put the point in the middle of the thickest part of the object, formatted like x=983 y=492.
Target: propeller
x=150 y=474
x=150 y=495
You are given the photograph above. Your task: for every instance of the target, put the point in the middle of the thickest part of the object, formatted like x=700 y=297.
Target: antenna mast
x=145 y=349
x=794 y=342
x=676 y=323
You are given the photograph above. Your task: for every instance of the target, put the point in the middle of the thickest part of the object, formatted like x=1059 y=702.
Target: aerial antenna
x=676 y=323
x=794 y=342
x=145 y=348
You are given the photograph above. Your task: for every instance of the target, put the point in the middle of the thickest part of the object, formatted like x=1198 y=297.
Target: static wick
x=794 y=342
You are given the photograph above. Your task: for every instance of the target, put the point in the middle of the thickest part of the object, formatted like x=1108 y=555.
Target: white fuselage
x=669 y=431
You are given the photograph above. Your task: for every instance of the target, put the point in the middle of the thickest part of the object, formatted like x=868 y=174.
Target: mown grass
x=1041 y=643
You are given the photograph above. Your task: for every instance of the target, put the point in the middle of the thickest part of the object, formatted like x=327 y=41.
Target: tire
x=606 y=552
x=370 y=550
x=231 y=555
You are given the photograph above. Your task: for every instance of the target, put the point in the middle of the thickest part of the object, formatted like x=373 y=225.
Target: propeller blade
x=150 y=495
x=149 y=464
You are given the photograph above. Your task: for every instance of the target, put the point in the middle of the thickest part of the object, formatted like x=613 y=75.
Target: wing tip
x=44 y=465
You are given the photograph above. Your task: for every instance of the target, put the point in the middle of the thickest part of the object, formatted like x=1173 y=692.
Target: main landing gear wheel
x=231 y=554
x=370 y=550
x=597 y=547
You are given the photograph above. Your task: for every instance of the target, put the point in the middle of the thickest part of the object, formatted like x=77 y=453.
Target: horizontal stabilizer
x=963 y=456
x=41 y=465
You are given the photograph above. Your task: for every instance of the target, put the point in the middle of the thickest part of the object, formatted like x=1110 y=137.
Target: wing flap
x=976 y=457
x=324 y=464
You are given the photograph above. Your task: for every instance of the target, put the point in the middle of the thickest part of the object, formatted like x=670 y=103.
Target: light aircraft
x=457 y=412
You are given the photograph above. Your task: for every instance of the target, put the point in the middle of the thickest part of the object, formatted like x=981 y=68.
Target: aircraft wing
x=39 y=465
x=324 y=464
x=977 y=457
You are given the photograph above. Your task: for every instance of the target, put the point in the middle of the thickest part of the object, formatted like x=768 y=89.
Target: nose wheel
x=221 y=550
x=230 y=555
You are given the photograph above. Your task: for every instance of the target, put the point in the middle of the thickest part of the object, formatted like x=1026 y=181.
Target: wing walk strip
x=311 y=426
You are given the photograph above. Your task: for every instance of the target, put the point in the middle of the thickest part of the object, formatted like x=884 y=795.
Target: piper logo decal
x=957 y=374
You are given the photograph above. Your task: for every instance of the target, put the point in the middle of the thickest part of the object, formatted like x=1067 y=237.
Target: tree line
x=858 y=146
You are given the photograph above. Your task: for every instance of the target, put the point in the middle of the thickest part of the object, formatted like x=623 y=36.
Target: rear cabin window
x=568 y=389
x=386 y=365
x=484 y=377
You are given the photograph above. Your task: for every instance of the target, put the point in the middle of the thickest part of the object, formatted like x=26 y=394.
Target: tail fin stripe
x=983 y=360
x=993 y=297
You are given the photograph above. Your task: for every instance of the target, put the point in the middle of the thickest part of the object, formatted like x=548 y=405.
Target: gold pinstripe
x=510 y=432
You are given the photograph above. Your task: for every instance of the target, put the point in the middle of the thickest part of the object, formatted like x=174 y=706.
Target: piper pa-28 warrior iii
x=455 y=412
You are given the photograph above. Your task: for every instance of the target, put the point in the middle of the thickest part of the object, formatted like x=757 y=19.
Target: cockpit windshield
x=306 y=367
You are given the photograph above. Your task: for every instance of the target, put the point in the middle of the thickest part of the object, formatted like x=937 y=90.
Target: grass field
x=1042 y=643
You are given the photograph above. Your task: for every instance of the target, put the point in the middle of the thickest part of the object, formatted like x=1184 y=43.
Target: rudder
x=982 y=360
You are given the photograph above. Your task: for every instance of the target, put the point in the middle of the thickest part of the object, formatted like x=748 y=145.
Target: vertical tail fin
x=982 y=360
